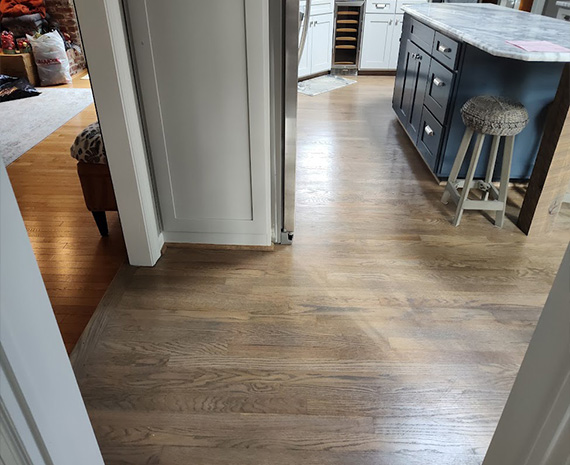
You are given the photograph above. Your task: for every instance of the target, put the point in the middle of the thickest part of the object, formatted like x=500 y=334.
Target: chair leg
x=101 y=220
x=505 y=176
x=457 y=163
x=492 y=161
x=469 y=178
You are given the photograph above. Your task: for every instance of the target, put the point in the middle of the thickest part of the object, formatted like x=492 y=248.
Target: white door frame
x=104 y=37
x=43 y=420
x=534 y=428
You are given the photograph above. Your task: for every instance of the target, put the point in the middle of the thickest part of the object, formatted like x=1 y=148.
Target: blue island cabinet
x=436 y=75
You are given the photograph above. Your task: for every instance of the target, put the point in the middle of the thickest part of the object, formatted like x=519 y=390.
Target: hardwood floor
x=76 y=263
x=382 y=336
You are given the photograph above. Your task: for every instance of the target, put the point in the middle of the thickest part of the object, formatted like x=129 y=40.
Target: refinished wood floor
x=383 y=336
x=76 y=263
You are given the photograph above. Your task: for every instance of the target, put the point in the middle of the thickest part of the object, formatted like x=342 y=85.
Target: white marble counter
x=488 y=27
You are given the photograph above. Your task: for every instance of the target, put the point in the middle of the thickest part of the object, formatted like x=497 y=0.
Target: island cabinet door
x=376 y=41
x=411 y=79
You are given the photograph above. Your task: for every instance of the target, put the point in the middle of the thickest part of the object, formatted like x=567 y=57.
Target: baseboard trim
x=377 y=73
x=258 y=248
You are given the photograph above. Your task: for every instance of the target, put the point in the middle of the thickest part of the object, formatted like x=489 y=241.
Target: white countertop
x=488 y=27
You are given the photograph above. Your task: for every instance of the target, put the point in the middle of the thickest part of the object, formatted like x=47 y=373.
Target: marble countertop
x=488 y=27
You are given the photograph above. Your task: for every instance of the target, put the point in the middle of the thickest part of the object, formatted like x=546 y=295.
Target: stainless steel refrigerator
x=288 y=29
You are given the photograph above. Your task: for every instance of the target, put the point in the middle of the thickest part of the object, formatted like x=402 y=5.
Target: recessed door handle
x=443 y=49
x=428 y=130
x=438 y=82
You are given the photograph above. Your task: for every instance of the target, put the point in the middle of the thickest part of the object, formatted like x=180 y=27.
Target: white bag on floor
x=51 y=59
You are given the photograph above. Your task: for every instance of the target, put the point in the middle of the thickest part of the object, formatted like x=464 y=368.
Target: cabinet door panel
x=376 y=42
x=395 y=46
x=414 y=83
x=305 y=60
x=321 y=43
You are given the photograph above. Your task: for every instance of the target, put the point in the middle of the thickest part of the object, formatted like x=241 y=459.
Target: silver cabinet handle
x=390 y=23
x=428 y=130
x=416 y=56
x=443 y=49
x=438 y=82
x=397 y=22
x=380 y=6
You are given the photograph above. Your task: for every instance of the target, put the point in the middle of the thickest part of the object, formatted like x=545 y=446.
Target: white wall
x=37 y=385
x=535 y=426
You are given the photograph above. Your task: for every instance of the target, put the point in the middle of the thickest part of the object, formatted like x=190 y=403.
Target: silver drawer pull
x=443 y=49
x=380 y=6
x=428 y=130
x=437 y=82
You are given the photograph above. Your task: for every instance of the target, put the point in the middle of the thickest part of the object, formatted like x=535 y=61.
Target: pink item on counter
x=538 y=46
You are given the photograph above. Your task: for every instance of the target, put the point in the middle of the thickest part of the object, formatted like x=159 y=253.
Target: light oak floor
x=77 y=264
x=382 y=336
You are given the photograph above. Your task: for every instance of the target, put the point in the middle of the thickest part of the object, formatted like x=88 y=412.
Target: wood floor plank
x=382 y=336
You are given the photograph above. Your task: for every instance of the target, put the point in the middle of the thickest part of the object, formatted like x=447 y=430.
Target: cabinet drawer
x=429 y=138
x=319 y=7
x=445 y=50
x=379 y=6
x=421 y=35
x=438 y=90
x=401 y=3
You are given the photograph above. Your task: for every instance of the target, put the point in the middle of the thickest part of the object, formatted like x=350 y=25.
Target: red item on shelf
x=15 y=8
x=7 y=40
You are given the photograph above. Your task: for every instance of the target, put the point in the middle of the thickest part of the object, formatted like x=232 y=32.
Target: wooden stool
x=485 y=115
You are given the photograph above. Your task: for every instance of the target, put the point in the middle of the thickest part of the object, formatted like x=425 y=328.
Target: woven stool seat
x=496 y=116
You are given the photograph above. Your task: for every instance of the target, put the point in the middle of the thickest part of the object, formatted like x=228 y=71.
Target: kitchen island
x=452 y=52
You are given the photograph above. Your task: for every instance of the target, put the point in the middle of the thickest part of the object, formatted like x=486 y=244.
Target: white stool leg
x=469 y=178
x=492 y=161
x=457 y=163
x=505 y=176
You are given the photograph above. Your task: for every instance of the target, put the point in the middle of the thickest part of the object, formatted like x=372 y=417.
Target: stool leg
x=457 y=163
x=492 y=161
x=469 y=178
x=505 y=176
x=101 y=220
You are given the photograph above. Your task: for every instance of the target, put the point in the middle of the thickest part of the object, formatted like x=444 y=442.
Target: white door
x=534 y=428
x=376 y=42
x=305 y=60
x=395 y=45
x=321 y=43
x=203 y=69
x=42 y=416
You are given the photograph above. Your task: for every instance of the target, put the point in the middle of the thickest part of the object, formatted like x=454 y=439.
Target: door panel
x=305 y=60
x=206 y=113
x=321 y=43
x=395 y=45
x=376 y=41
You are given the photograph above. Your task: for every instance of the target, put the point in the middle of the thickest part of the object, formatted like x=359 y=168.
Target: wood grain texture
x=550 y=179
x=382 y=336
x=76 y=263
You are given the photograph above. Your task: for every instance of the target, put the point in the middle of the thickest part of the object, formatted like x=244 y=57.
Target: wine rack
x=347 y=35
